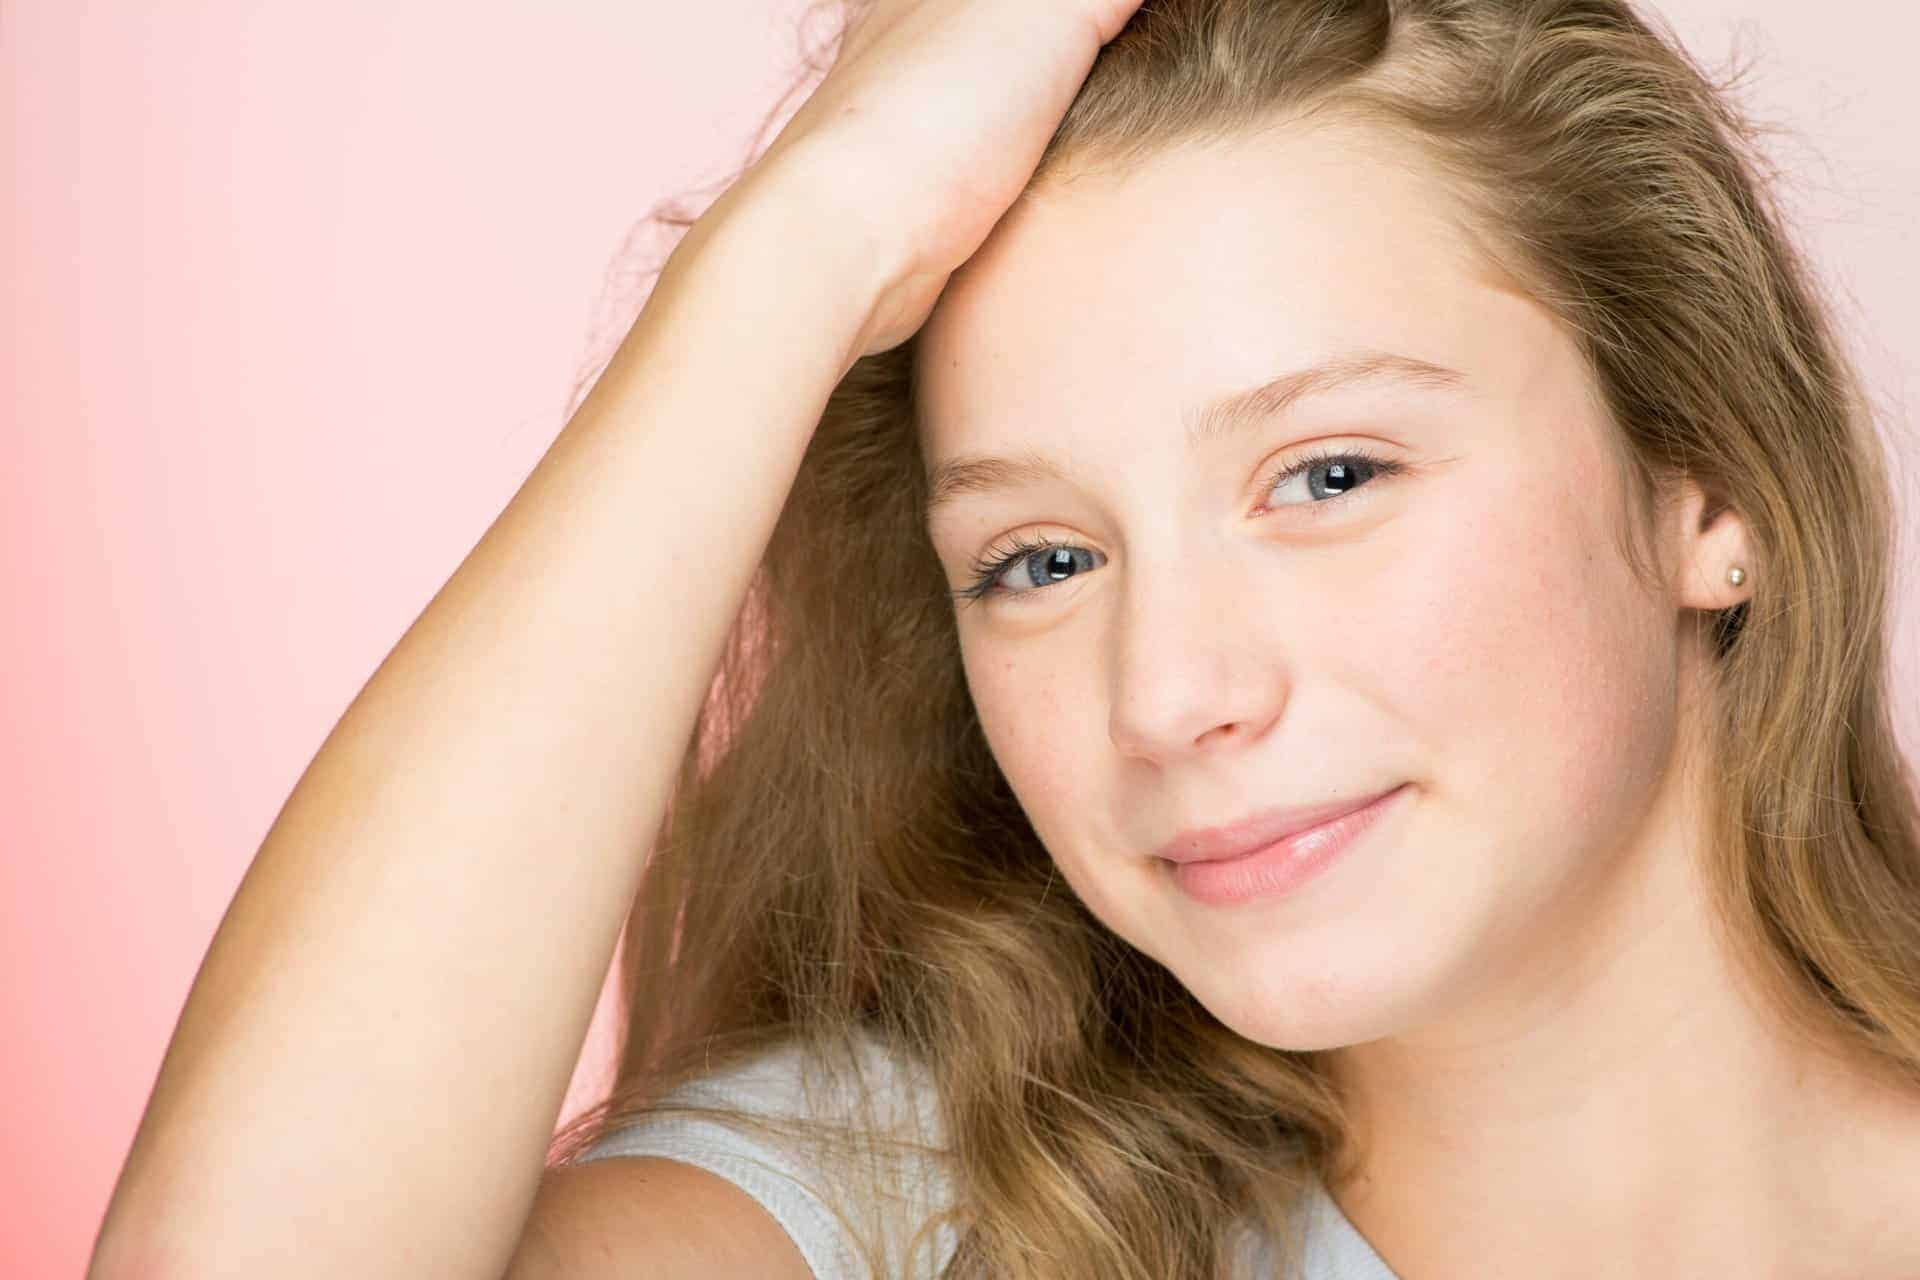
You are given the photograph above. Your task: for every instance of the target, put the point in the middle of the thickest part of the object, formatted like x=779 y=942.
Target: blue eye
x=1343 y=471
x=1040 y=564
x=1026 y=559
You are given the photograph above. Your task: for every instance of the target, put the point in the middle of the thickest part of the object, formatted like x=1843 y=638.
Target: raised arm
x=372 y=1059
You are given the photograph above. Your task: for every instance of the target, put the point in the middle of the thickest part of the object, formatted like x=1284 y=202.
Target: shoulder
x=616 y=1218
x=841 y=1153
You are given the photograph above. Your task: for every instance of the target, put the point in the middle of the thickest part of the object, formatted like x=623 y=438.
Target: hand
x=929 y=126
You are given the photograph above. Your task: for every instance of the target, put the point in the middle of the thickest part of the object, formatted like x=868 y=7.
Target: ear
x=1709 y=538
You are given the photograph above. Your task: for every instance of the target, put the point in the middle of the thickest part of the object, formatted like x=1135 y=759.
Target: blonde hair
x=843 y=856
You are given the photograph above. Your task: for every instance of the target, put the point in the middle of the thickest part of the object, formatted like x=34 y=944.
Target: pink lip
x=1256 y=831
x=1269 y=853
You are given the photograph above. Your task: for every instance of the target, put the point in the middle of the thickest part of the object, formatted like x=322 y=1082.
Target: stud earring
x=1736 y=575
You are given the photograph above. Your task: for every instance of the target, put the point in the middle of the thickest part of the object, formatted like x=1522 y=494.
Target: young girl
x=1247 y=638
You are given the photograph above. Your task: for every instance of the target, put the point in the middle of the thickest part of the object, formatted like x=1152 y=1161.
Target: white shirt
x=787 y=1176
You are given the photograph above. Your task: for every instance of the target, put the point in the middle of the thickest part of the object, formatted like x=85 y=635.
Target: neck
x=1618 y=1090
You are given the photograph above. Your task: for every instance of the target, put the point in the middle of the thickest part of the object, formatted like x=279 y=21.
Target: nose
x=1199 y=658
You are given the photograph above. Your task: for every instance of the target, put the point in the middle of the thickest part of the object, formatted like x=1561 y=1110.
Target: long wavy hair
x=843 y=858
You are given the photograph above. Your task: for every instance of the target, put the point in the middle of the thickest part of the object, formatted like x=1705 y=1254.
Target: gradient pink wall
x=294 y=299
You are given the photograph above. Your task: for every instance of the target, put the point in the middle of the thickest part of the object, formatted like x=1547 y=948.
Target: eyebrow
x=982 y=473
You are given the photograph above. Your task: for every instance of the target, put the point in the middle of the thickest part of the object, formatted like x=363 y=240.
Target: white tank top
x=783 y=1175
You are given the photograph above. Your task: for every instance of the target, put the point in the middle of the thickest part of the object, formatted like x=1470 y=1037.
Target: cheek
x=1044 y=721
x=1030 y=714
x=1540 y=676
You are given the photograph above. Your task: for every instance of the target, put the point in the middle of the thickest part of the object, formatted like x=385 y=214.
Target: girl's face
x=1437 y=604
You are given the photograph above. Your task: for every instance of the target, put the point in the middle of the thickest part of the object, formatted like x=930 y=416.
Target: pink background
x=294 y=299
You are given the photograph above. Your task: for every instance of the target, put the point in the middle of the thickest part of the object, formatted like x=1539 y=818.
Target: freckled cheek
x=1527 y=650
x=1033 y=712
x=1039 y=720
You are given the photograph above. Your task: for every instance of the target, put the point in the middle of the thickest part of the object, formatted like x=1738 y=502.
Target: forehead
x=1140 y=296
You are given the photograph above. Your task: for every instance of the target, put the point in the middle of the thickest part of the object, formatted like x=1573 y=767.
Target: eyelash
x=997 y=561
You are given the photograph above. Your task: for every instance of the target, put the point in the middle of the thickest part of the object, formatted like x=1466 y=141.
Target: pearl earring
x=1736 y=575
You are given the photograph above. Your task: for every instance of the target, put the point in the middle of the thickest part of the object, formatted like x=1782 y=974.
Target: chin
x=1328 y=1001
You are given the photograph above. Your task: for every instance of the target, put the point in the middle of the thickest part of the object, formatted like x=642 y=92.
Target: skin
x=1546 y=1053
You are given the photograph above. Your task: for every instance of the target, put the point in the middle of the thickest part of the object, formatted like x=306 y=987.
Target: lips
x=1258 y=830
